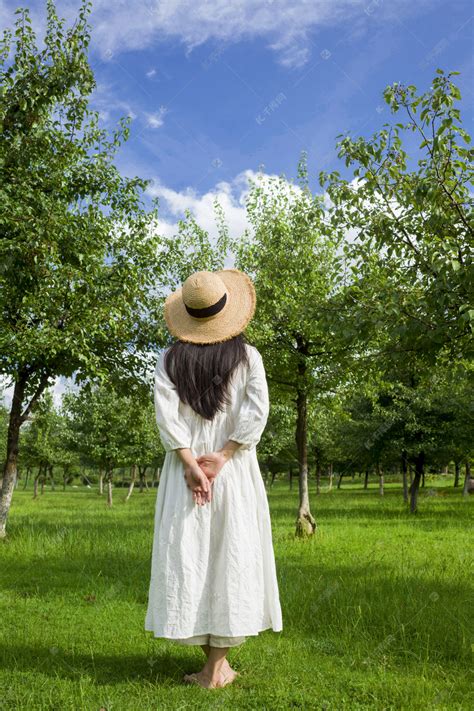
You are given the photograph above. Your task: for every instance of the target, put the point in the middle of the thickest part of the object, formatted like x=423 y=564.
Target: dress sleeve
x=253 y=414
x=174 y=431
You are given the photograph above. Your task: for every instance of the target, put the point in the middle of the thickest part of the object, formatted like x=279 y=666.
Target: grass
x=377 y=607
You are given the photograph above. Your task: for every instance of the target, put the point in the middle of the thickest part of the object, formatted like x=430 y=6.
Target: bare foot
x=227 y=669
x=224 y=677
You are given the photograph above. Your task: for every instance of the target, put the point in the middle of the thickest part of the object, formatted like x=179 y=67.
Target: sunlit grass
x=377 y=607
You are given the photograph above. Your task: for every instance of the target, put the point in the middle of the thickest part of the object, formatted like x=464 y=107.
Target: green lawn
x=377 y=607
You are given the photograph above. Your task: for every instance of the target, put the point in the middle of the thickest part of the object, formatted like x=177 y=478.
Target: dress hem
x=218 y=634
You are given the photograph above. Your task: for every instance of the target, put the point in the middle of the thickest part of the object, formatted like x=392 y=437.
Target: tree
x=100 y=420
x=142 y=445
x=411 y=255
x=79 y=260
x=40 y=440
x=412 y=221
x=293 y=262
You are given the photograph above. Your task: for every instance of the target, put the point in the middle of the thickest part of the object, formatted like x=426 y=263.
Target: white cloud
x=151 y=73
x=285 y=25
x=155 y=120
x=230 y=195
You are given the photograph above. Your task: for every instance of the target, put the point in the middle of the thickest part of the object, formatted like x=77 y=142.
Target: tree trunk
x=381 y=480
x=404 y=474
x=305 y=523
x=101 y=482
x=133 y=472
x=51 y=475
x=86 y=480
x=415 y=485
x=35 y=484
x=366 y=479
x=331 y=476
x=467 y=479
x=11 y=461
x=339 y=481
x=109 y=487
x=457 y=473
x=318 y=478
x=27 y=476
x=317 y=462
x=143 y=481
x=17 y=417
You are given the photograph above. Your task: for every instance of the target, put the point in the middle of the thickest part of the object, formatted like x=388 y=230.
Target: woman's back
x=213 y=566
x=247 y=406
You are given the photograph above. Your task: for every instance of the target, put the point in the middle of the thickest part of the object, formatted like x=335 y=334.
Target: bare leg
x=226 y=668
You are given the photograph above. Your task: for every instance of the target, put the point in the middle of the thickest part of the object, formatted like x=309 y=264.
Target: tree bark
x=11 y=462
x=133 y=472
x=366 y=479
x=404 y=474
x=467 y=479
x=143 y=481
x=17 y=417
x=331 y=476
x=339 y=481
x=101 y=482
x=305 y=523
x=457 y=473
x=381 y=480
x=109 y=488
x=35 y=483
x=415 y=485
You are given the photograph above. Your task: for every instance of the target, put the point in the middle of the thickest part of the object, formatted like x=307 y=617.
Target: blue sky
x=218 y=90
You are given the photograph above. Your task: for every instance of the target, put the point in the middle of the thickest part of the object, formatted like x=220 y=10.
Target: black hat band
x=208 y=310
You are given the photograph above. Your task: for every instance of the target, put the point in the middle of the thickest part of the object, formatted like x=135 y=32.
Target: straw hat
x=211 y=307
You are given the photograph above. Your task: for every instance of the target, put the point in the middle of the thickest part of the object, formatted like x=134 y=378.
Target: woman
x=213 y=576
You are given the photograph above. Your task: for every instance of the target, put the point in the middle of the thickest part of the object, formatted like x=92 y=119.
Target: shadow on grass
x=318 y=600
x=102 y=669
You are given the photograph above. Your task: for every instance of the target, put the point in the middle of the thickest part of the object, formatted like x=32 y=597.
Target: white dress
x=213 y=566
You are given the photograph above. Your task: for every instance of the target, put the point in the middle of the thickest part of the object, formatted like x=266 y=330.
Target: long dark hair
x=201 y=372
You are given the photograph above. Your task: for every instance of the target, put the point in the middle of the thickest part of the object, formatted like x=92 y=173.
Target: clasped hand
x=201 y=475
